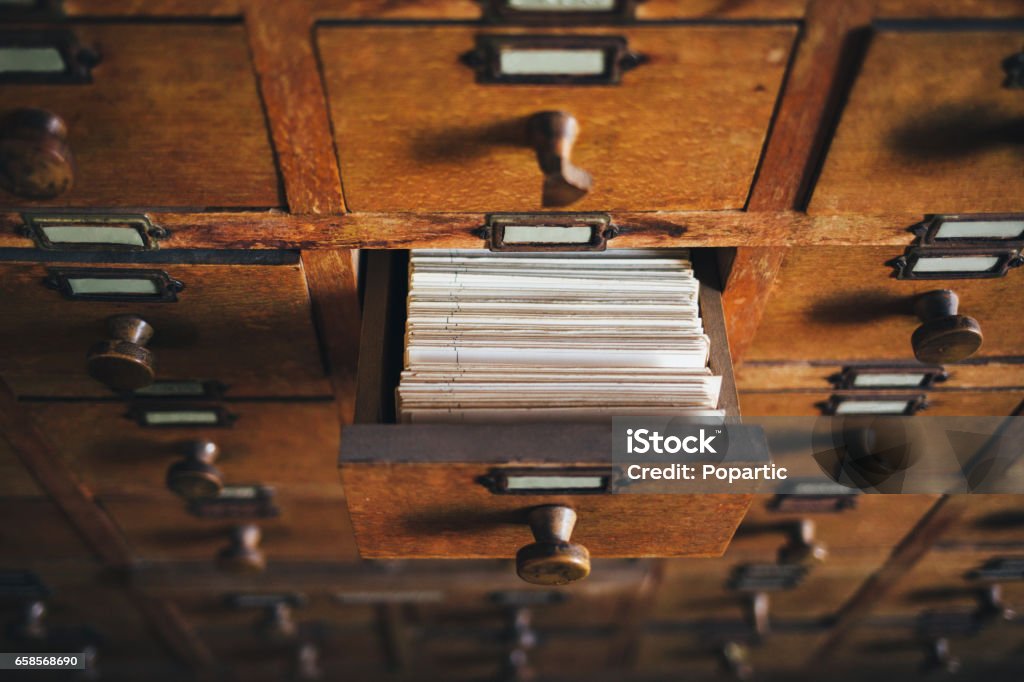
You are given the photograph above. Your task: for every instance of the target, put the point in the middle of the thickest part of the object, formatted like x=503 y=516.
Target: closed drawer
x=989 y=520
x=248 y=327
x=159 y=528
x=937 y=403
x=421 y=490
x=929 y=128
x=658 y=139
x=41 y=536
x=842 y=304
x=291 y=444
x=170 y=116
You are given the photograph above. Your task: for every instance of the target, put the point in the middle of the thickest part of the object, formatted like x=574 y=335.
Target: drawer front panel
x=171 y=117
x=42 y=535
x=841 y=303
x=445 y=509
x=939 y=403
x=648 y=141
x=227 y=324
x=291 y=444
x=928 y=128
x=309 y=529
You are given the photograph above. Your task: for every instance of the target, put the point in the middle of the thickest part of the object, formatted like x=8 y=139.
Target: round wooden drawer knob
x=243 y=555
x=123 y=362
x=35 y=159
x=552 y=135
x=945 y=336
x=552 y=559
x=195 y=476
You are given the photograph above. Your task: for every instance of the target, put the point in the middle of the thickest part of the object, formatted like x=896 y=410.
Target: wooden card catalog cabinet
x=539 y=492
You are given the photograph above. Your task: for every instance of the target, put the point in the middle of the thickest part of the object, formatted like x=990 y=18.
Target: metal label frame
x=79 y=61
x=915 y=402
x=138 y=410
x=601 y=230
x=149 y=233
x=501 y=11
x=167 y=287
x=927 y=230
x=497 y=480
x=904 y=266
x=209 y=390
x=259 y=506
x=846 y=380
x=754 y=578
x=485 y=58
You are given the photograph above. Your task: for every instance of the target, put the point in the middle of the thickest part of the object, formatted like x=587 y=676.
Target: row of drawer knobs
x=124 y=363
x=36 y=160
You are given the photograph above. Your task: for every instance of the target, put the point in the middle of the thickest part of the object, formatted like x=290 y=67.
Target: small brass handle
x=945 y=336
x=802 y=547
x=992 y=607
x=243 y=553
x=123 y=362
x=35 y=158
x=195 y=477
x=552 y=559
x=552 y=135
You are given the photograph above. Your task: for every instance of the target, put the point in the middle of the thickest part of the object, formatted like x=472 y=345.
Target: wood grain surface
x=928 y=128
x=842 y=304
x=290 y=444
x=659 y=140
x=172 y=118
x=226 y=326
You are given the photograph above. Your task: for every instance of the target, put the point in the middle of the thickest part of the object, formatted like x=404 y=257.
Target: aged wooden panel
x=443 y=511
x=271 y=443
x=226 y=326
x=940 y=403
x=274 y=230
x=967 y=9
x=158 y=528
x=928 y=128
x=172 y=118
x=842 y=304
x=296 y=108
x=404 y=148
x=755 y=376
x=469 y=9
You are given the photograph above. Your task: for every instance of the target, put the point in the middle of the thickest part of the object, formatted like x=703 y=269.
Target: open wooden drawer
x=419 y=491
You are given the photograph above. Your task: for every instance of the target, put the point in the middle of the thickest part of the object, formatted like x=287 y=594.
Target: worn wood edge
x=713 y=318
x=288 y=74
x=334 y=298
x=277 y=230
